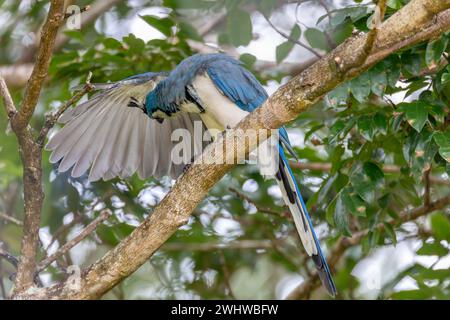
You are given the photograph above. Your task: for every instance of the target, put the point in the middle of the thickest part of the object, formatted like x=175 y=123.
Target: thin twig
x=51 y=119
x=239 y=194
x=288 y=37
x=11 y=219
x=2 y=284
x=226 y=275
x=7 y=99
x=67 y=15
x=427 y=184
x=8 y=257
x=105 y=214
x=211 y=246
x=76 y=219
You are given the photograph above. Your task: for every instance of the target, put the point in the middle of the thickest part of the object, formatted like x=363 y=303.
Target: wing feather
x=112 y=139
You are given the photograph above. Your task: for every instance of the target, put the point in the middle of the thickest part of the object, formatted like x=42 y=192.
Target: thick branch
x=283 y=106
x=31 y=152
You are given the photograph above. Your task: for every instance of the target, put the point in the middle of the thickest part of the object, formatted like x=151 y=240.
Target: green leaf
x=434 y=50
x=316 y=38
x=352 y=202
x=341 y=218
x=363 y=186
x=373 y=171
x=446 y=76
x=186 y=30
x=339 y=95
x=248 y=59
x=380 y=121
x=112 y=43
x=335 y=158
x=415 y=294
x=329 y=214
x=360 y=87
x=239 y=28
x=163 y=25
x=440 y=225
x=366 y=127
x=378 y=80
x=394 y=4
x=442 y=139
x=283 y=50
x=267 y=6
x=432 y=249
x=354 y=13
x=390 y=232
x=416 y=114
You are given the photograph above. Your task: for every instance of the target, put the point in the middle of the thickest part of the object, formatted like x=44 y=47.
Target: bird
x=125 y=128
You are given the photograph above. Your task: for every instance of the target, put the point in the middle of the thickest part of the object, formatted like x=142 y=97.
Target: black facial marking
x=192 y=96
x=134 y=103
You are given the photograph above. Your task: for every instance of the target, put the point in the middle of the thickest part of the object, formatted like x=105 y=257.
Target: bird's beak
x=160 y=120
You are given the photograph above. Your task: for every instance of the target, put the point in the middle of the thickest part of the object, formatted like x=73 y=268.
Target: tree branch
x=44 y=54
x=208 y=246
x=283 y=106
x=8 y=257
x=11 y=219
x=7 y=99
x=31 y=153
x=305 y=288
x=289 y=38
x=104 y=215
x=284 y=214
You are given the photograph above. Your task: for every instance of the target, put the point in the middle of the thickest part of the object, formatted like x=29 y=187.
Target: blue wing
x=237 y=84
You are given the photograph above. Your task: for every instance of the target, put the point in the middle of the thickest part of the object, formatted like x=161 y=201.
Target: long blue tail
x=293 y=198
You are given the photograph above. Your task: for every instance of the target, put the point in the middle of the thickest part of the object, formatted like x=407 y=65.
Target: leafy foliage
x=380 y=134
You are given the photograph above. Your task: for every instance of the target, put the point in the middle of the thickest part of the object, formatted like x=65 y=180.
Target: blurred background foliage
x=374 y=148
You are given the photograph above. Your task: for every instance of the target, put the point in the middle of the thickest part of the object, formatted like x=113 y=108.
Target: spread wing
x=114 y=139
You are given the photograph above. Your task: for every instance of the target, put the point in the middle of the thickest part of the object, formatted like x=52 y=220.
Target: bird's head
x=157 y=105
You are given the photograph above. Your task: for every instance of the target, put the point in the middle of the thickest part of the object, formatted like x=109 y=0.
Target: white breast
x=220 y=112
